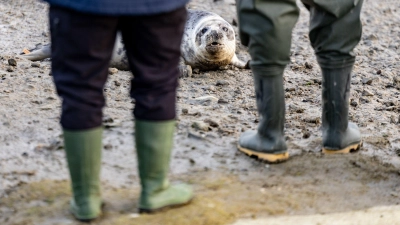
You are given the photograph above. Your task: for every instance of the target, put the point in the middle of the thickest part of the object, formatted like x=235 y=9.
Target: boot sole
x=270 y=158
x=164 y=208
x=348 y=149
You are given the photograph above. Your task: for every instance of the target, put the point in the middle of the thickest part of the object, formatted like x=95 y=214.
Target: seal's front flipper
x=184 y=70
x=40 y=52
x=240 y=64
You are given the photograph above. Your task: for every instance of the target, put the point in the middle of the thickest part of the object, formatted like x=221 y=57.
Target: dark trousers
x=82 y=46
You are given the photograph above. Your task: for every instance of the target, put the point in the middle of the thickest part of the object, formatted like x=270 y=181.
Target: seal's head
x=215 y=39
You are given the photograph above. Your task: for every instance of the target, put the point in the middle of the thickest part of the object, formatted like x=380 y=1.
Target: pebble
x=367 y=93
x=308 y=65
x=364 y=100
x=185 y=111
x=222 y=83
x=317 y=81
x=112 y=71
x=12 y=62
x=394 y=119
x=211 y=88
x=234 y=22
x=290 y=89
x=306 y=134
x=205 y=76
x=238 y=91
x=367 y=81
x=204 y=99
x=371 y=37
x=211 y=122
x=200 y=125
x=222 y=101
x=314 y=120
x=117 y=83
x=37 y=102
x=353 y=103
x=295 y=108
x=389 y=103
x=195 y=136
x=10 y=69
x=35 y=64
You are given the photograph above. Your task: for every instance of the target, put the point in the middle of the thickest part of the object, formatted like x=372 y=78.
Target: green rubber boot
x=268 y=142
x=154 y=144
x=338 y=135
x=83 y=151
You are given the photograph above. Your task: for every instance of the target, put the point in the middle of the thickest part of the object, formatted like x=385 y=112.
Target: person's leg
x=81 y=49
x=153 y=50
x=266 y=28
x=335 y=29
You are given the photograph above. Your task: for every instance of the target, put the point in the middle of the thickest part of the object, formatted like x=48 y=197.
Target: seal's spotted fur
x=208 y=42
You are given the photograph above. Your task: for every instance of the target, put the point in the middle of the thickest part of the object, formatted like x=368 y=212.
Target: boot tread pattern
x=268 y=157
x=348 y=149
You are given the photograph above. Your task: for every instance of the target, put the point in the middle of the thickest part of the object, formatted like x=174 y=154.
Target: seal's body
x=208 y=43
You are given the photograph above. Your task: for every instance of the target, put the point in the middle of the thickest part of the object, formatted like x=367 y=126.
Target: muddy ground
x=34 y=186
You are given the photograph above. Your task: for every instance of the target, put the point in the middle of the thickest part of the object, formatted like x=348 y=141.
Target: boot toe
x=354 y=133
x=246 y=141
x=173 y=196
x=254 y=145
x=87 y=210
x=346 y=142
x=253 y=141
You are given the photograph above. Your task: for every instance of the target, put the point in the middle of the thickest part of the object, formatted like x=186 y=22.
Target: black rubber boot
x=339 y=135
x=268 y=142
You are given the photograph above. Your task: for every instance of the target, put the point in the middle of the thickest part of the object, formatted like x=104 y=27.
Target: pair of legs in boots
x=82 y=45
x=335 y=29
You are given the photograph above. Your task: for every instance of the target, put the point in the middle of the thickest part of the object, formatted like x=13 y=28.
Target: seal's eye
x=204 y=30
x=225 y=29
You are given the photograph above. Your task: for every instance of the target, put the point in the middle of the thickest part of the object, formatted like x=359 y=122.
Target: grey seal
x=208 y=43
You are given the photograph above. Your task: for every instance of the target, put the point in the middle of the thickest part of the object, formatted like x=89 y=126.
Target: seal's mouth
x=214 y=44
x=214 y=47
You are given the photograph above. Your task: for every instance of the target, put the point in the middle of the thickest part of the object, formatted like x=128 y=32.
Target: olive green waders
x=154 y=141
x=265 y=26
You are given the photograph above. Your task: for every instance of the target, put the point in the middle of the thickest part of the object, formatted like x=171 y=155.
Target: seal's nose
x=215 y=35
x=214 y=43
